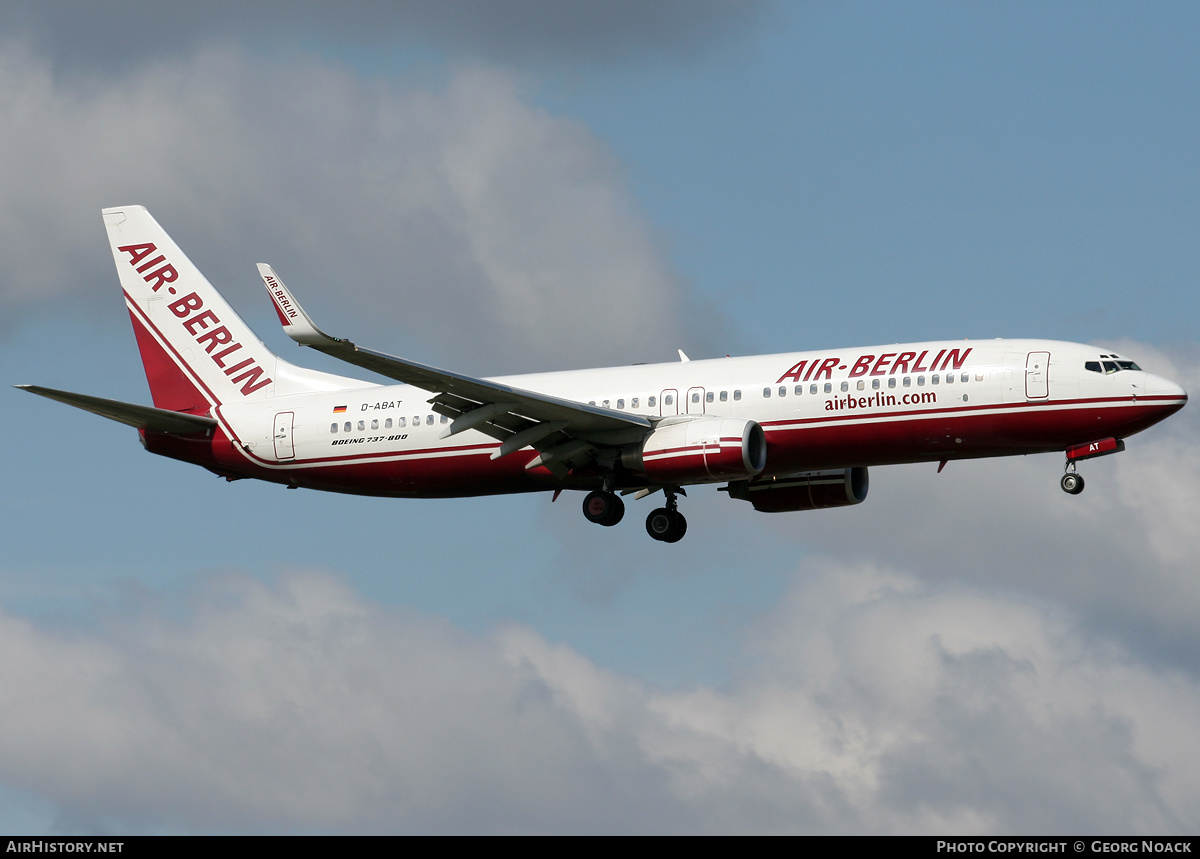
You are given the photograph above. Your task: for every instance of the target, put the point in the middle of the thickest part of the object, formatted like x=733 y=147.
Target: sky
x=526 y=185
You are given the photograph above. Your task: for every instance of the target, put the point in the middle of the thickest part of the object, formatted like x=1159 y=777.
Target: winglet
x=295 y=321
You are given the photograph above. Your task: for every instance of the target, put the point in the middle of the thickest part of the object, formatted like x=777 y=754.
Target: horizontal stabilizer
x=142 y=417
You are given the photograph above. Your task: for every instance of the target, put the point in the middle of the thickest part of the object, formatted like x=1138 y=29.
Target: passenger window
x=375 y=424
x=766 y=393
x=861 y=384
x=362 y=425
x=443 y=419
x=708 y=398
x=333 y=427
x=965 y=377
x=387 y=424
x=737 y=394
x=605 y=404
x=933 y=380
x=724 y=396
x=949 y=378
x=346 y=428
x=621 y=403
x=874 y=384
x=401 y=422
x=908 y=381
x=783 y=390
x=829 y=387
x=695 y=396
x=650 y=401
x=812 y=389
x=429 y=420
x=416 y=420
x=845 y=387
x=633 y=404
x=669 y=400
x=920 y=381
x=799 y=390
x=892 y=382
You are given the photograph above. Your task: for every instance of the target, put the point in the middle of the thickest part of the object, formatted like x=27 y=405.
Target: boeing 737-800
x=784 y=432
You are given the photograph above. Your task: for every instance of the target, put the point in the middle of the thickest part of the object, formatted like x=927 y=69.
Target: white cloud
x=124 y=33
x=876 y=704
x=460 y=214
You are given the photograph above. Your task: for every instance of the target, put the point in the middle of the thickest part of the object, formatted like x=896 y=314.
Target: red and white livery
x=785 y=432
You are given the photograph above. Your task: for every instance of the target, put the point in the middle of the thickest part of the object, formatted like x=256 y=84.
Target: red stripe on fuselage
x=955 y=434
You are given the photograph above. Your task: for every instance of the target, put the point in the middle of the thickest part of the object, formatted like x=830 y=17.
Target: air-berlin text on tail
x=888 y=364
x=158 y=272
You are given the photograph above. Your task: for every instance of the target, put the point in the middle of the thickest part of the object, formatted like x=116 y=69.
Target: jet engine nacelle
x=695 y=450
x=811 y=490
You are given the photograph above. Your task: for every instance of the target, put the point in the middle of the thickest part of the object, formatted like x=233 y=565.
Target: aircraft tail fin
x=197 y=352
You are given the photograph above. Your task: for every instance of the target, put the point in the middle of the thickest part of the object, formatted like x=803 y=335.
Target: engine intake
x=700 y=450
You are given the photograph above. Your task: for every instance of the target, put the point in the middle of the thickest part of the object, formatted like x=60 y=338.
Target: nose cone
x=1157 y=386
x=1165 y=393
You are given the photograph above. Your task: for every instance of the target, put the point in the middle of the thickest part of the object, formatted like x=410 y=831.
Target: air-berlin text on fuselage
x=879 y=400
x=888 y=364
x=158 y=272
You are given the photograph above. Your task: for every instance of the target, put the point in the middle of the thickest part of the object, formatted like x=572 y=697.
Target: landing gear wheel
x=1071 y=483
x=603 y=508
x=667 y=526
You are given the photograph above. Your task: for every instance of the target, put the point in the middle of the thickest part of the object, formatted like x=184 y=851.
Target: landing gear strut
x=603 y=508
x=667 y=524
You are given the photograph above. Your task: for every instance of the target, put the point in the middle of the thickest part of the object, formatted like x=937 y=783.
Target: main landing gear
x=666 y=524
x=603 y=508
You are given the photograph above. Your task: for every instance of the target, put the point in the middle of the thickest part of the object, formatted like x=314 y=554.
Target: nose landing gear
x=1072 y=483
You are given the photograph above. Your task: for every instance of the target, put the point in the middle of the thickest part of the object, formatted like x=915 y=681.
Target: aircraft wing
x=564 y=431
x=130 y=414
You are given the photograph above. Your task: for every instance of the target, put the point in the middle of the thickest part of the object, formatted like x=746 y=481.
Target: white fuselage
x=829 y=409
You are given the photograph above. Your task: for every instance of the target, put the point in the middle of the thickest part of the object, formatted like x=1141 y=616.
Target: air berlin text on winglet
x=283 y=304
x=194 y=318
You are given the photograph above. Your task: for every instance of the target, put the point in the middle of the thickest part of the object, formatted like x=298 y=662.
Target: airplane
x=785 y=432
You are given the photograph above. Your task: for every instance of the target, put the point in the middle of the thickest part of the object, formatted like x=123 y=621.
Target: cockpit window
x=1112 y=365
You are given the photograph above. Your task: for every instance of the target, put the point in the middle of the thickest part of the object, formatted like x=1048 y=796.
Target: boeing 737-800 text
x=784 y=432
